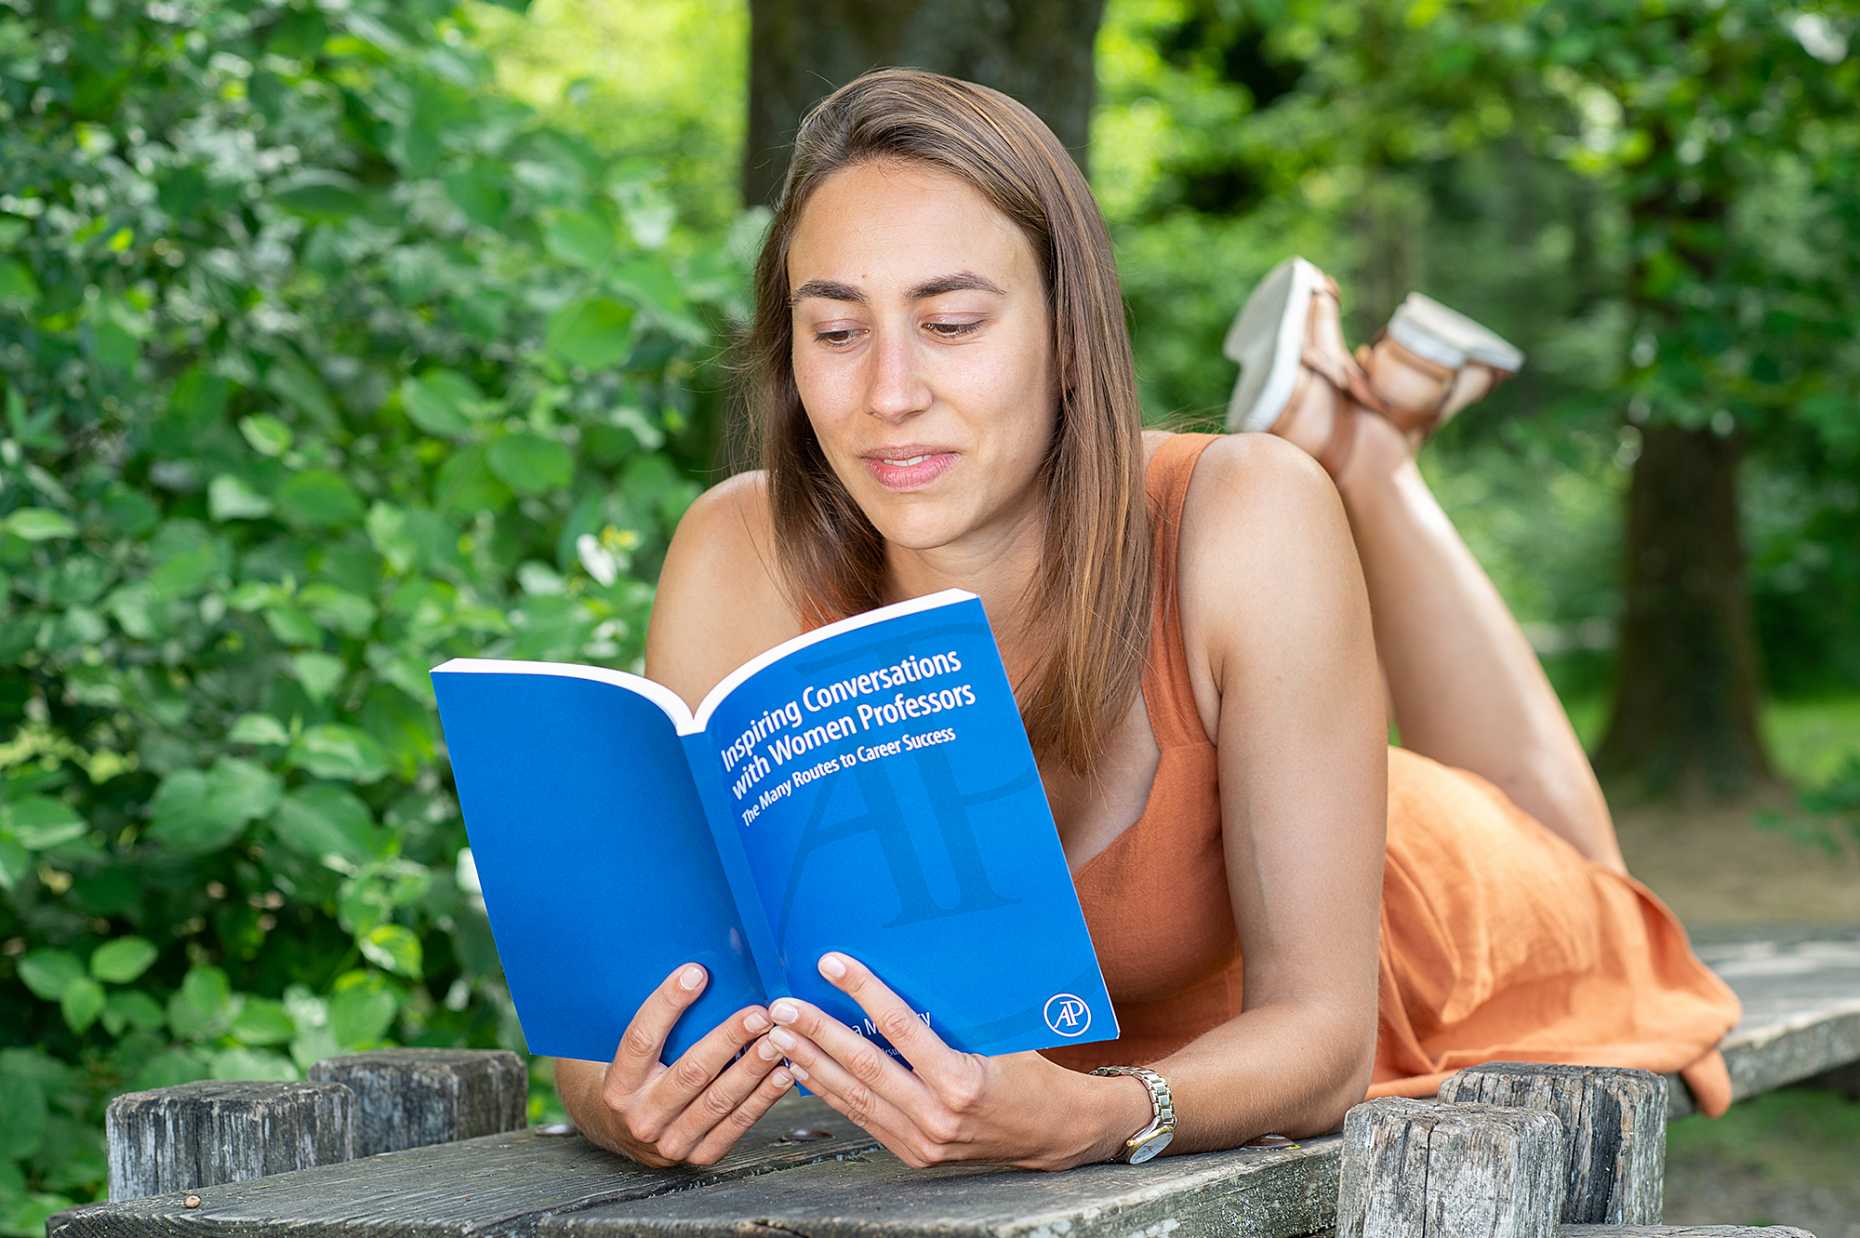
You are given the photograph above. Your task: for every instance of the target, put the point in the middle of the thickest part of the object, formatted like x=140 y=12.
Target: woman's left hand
x=1017 y=1108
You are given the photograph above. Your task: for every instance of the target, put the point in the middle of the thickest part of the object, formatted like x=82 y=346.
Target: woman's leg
x=1465 y=686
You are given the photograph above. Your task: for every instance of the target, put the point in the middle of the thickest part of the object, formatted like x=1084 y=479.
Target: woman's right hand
x=693 y=1111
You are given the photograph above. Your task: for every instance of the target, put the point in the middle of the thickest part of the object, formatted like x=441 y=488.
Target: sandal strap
x=1422 y=417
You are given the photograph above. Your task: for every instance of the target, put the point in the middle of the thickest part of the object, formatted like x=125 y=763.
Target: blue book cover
x=866 y=787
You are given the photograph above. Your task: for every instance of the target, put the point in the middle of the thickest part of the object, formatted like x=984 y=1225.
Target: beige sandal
x=1430 y=362
x=1288 y=333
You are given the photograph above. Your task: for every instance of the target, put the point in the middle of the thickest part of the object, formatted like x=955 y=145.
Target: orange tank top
x=1171 y=976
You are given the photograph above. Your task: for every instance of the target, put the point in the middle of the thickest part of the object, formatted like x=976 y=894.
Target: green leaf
x=317 y=194
x=18 y=290
x=112 y=343
x=467 y=485
x=122 y=960
x=15 y=863
x=292 y=626
x=203 y=1007
x=361 y=1010
x=393 y=947
x=131 y=1008
x=263 y=1021
x=39 y=821
x=258 y=729
x=203 y=810
x=81 y=1003
x=323 y=820
x=229 y=498
x=319 y=673
x=267 y=435
x=185 y=572
x=22 y=1100
x=253 y=1064
x=442 y=402
x=346 y=612
x=334 y=751
x=169 y=1068
x=593 y=332
x=319 y=498
x=532 y=464
x=580 y=238
x=294 y=381
x=39 y=524
x=49 y=972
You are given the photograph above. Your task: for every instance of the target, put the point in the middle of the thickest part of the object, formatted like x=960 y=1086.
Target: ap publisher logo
x=1067 y=1014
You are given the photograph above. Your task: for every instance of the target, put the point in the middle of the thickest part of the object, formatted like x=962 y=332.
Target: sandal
x=1429 y=362
x=1288 y=333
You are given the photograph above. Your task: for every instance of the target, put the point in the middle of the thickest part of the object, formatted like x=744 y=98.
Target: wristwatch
x=1153 y=1138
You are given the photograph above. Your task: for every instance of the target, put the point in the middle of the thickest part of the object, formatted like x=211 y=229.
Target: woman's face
x=922 y=352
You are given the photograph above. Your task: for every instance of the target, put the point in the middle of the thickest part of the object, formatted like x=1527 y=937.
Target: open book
x=866 y=787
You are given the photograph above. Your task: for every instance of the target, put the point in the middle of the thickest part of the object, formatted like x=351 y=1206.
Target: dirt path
x=1717 y=866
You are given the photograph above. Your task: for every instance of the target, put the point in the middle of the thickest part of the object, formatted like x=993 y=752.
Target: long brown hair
x=1093 y=592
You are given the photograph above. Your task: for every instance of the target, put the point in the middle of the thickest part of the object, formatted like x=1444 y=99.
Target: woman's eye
x=950 y=330
x=841 y=336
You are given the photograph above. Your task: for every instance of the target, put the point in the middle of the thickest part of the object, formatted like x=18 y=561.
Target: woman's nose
x=896 y=386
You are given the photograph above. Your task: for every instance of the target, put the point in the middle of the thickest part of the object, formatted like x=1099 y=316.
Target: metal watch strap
x=1162 y=1102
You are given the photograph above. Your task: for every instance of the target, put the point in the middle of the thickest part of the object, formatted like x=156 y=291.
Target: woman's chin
x=916 y=530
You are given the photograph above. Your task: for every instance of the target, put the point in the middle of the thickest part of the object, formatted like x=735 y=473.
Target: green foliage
x=1654 y=199
x=321 y=361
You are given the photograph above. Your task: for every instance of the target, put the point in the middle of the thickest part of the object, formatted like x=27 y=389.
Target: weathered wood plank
x=1270 y=1192
x=1801 y=1012
x=496 y=1184
x=1683 y=1231
x=521 y=1184
x=1427 y=1169
x=407 y=1098
x=1614 y=1131
x=204 y=1134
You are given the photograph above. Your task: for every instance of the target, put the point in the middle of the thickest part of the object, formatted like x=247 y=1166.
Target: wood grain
x=204 y=1134
x=407 y=1098
x=1425 y=1169
x=1614 y=1131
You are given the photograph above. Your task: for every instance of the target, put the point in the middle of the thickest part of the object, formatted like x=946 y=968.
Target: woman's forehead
x=886 y=228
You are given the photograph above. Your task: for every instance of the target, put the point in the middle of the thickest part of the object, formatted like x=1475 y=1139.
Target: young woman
x=942 y=379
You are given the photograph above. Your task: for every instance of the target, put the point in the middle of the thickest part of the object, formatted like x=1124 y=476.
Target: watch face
x=1151 y=1148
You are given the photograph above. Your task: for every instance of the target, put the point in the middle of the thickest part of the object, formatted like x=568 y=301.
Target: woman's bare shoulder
x=1259 y=516
x=719 y=600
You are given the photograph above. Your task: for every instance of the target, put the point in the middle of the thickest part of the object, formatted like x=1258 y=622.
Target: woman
x=942 y=378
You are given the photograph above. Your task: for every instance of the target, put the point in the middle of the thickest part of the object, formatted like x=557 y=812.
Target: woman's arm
x=1273 y=592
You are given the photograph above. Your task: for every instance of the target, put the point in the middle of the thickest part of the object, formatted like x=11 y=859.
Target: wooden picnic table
x=805 y=1170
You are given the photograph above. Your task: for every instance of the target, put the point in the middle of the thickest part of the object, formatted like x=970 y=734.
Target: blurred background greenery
x=340 y=338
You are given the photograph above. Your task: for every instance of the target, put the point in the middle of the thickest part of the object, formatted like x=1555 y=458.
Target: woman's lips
x=910 y=476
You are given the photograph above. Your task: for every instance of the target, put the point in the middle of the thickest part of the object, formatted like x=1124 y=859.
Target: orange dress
x=1499 y=941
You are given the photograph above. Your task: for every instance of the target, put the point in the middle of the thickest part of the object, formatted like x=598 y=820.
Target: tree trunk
x=1687 y=682
x=1039 y=51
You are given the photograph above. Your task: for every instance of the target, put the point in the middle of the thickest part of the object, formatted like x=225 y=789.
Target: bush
x=319 y=363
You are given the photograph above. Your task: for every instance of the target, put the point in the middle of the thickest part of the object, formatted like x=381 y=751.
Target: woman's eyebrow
x=833 y=290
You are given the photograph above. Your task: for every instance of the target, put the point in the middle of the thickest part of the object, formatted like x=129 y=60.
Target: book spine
x=701 y=753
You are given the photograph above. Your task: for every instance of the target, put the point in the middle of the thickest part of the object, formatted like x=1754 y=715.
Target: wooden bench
x=804 y=1170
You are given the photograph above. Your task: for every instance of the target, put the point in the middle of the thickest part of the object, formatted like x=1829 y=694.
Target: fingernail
x=798 y=1071
x=783 y=1037
x=832 y=966
x=784 y=1012
x=780 y=1079
x=768 y=1051
x=754 y=1021
x=693 y=976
